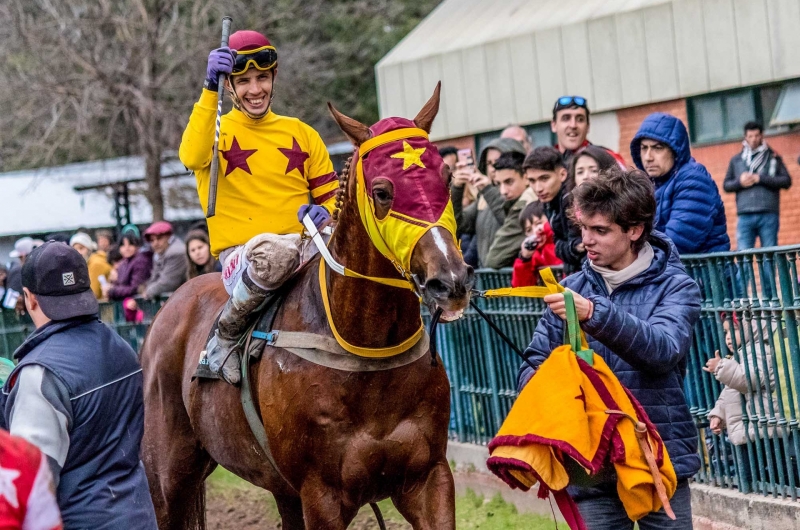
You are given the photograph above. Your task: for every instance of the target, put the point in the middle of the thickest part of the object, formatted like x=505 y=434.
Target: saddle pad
x=325 y=351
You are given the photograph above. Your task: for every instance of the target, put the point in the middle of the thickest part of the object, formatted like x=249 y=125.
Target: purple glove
x=319 y=214
x=220 y=61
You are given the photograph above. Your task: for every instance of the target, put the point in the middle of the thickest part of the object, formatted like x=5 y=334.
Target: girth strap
x=250 y=412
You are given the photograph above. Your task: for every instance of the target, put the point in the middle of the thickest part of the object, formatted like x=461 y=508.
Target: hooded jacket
x=543 y=256
x=132 y=273
x=690 y=210
x=643 y=332
x=486 y=215
x=756 y=382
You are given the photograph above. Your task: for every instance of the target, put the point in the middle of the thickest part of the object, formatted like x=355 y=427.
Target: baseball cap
x=57 y=274
x=22 y=247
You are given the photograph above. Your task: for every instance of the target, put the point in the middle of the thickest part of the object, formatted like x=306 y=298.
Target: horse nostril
x=437 y=289
x=469 y=279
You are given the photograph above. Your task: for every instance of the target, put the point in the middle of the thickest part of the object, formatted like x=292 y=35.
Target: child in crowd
x=751 y=376
x=538 y=249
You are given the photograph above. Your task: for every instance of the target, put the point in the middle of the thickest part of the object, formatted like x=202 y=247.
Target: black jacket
x=761 y=197
x=567 y=235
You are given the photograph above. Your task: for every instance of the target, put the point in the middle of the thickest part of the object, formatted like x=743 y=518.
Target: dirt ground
x=245 y=507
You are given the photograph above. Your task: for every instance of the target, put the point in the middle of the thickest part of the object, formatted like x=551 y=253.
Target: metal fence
x=759 y=288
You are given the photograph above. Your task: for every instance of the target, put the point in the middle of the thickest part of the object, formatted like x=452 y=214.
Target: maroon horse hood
x=419 y=192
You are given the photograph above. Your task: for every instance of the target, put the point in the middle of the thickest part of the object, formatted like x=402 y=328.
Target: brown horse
x=340 y=439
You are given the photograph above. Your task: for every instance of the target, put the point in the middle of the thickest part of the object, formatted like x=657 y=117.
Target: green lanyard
x=572 y=330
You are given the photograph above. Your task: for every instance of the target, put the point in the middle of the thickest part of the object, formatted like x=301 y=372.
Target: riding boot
x=224 y=349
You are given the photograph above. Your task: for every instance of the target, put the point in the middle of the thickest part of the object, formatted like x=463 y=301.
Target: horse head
x=400 y=186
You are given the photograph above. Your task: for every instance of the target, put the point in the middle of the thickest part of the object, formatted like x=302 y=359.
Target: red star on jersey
x=297 y=158
x=237 y=157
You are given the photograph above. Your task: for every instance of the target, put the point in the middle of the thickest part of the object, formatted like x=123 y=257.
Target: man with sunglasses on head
x=571 y=126
x=270 y=168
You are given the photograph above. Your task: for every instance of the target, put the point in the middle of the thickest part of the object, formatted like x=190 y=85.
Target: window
x=787 y=107
x=721 y=117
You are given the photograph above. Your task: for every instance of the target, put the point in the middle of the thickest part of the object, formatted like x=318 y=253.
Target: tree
x=91 y=79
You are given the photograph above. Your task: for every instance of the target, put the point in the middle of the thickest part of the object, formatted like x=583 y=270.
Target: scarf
x=614 y=279
x=755 y=158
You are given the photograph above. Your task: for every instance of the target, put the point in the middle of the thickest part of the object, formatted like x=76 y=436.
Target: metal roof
x=45 y=200
x=507 y=61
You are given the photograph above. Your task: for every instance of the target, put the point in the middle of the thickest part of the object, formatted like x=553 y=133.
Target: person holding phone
x=537 y=250
x=482 y=218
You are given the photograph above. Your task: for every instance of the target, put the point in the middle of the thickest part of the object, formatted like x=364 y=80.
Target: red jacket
x=543 y=256
x=27 y=499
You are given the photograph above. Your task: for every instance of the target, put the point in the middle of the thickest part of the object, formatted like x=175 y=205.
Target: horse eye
x=381 y=195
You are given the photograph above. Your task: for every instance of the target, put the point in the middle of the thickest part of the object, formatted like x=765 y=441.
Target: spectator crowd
x=492 y=193
x=147 y=265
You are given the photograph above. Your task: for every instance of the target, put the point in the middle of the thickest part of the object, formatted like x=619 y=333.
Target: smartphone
x=466 y=157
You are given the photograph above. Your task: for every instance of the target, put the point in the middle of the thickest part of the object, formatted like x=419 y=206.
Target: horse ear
x=356 y=132
x=428 y=113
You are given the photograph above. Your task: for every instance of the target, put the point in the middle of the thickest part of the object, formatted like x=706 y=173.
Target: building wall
x=716 y=157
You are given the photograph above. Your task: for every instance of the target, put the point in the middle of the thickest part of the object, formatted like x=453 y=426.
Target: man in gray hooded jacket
x=484 y=217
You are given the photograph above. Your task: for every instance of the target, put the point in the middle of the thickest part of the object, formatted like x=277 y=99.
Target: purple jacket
x=132 y=273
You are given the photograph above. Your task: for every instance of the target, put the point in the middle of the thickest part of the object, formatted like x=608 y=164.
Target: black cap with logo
x=57 y=274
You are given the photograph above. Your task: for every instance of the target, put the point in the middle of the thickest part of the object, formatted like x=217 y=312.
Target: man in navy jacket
x=637 y=306
x=690 y=210
x=77 y=395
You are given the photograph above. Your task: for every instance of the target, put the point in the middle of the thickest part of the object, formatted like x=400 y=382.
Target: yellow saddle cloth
x=572 y=409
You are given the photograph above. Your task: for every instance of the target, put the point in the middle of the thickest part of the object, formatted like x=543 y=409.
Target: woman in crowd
x=96 y=260
x=587 y=165
x=133 y=270
x=198 y=254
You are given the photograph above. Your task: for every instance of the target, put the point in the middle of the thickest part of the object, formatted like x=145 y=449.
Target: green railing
x=760 y=288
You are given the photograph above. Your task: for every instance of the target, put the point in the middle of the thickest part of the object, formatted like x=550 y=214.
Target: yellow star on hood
x=410 y=156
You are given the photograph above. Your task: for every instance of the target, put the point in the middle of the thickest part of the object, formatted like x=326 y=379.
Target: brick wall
x=464 y=142
x=716 y=157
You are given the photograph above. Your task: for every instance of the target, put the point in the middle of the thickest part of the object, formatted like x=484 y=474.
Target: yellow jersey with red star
x=267 y=168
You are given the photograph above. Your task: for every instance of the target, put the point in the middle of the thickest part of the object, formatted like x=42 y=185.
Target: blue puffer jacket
x=690 y=210
x=643 y=332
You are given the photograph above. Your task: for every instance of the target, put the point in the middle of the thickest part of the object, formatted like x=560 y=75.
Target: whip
x=212 y=185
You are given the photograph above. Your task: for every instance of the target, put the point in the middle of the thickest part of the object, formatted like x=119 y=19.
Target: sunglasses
x=570 y=101
x=263 y=58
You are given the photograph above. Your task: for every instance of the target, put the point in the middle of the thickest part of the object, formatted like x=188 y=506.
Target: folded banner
x=572 y=420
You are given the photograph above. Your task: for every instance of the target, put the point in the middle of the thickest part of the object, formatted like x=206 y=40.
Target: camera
x=530 y=245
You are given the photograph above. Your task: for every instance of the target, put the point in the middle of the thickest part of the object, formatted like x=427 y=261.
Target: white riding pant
x=236 y=260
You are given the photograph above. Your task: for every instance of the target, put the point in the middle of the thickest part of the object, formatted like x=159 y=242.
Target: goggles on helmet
x=264 y=58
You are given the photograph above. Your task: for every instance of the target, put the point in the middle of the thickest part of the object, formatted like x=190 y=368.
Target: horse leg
x=324 y=508
x=291 y=510
x=175 y=462
x=430 y=503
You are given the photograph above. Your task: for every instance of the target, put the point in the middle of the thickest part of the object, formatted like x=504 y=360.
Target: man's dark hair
x=625 y=197
x=544 y=158
x=753 y=126
x=533 y=209
x=449 y=150
x=510 y=160
x=113 y=255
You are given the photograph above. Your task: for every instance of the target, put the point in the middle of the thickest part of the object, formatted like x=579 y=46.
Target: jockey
x=269 y=168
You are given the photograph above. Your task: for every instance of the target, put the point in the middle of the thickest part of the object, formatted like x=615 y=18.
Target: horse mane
x=342 y=191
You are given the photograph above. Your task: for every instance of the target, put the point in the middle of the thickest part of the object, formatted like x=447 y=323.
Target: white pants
x=236 y=260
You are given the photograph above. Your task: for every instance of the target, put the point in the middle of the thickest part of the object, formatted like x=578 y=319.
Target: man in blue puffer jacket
x=637 y=306
x=690 y=210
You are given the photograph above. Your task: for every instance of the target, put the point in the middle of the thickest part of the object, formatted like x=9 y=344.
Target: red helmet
x=252 y=49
